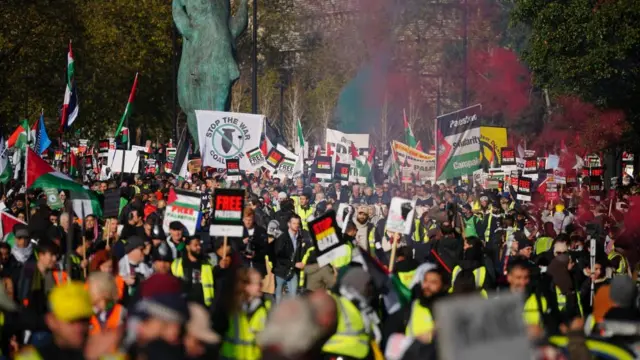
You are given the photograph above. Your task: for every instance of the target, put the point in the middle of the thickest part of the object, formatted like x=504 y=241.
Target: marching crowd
x=135 y=291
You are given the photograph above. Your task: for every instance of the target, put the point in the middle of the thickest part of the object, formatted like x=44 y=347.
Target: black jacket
x=284 y=256
x=260 y=247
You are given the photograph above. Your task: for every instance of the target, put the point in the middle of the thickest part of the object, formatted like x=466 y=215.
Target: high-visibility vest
x=304 y=215
x=479 y=274
x=121 y=285
x=407 y=277
x=239 y=341
x=351 y=338
x=421 y=320
x=623 y=266
x=543 y=244
x=113 y=321
x=487 y=231
x=562 y=301
x=206 y=278
x=531 y=311
x=60 y=277
x=425 y=233
x=470 y=226
x=259 y=317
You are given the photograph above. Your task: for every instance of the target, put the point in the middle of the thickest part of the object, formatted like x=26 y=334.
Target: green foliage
x=111 y=41
x=586 y=48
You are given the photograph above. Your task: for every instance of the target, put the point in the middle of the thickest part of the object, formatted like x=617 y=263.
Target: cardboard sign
x=327 y=238
x=508 y=155
x=552 y=192
x=525 y=186
x=559 y=176
x=596 y=171
x=542 y=163
x=530 y=165
x=233 y=169
x=529 y=153
x=227 y=213
x=103 y=148
x=274 y=158
x=592 y=160
x=187 y=216
x=287 y=167
x=256 y=158
x=471 y=327
x=572 y=177
x=342 y=172
x=401 y=212
x=53 y=198
x=111 y=203
x=406 y=176
x=322 y=167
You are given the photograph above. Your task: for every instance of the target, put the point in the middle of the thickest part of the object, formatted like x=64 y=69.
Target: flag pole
x=26 y=161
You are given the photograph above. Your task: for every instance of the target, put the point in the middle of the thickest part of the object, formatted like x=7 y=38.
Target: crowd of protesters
x=135 y=291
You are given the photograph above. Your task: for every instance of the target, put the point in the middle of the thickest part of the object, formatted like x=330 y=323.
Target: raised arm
x=181 y=19
x=239 y=22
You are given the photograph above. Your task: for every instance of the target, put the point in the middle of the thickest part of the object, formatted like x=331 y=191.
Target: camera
x=249 y=250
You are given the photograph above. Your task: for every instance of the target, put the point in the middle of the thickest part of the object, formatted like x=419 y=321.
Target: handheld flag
x=127 y=111
x=408 y=134
x=42 y=139
x=70 y=105
x=6 y=172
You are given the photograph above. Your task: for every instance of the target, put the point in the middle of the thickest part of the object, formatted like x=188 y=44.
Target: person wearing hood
x=472 y=260
x=449 y=245
x=21 y=252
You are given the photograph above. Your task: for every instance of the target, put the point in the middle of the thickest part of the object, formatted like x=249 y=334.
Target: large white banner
x=228 y=135
x=341 y=142
x=422 y=165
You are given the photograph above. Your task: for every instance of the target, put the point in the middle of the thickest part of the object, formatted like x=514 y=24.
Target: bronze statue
x=208 y=67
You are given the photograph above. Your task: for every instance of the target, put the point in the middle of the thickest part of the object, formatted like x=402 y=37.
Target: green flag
x=127 y=111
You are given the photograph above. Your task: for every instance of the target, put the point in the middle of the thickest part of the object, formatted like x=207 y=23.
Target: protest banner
x=341 y=142
x=422 y=165
x=228 y=135
x=327 y=238
x=256 y=158
x=227 y=213
x=458 y=143
x=471 y=327
x=551 y=194
x=492 y=139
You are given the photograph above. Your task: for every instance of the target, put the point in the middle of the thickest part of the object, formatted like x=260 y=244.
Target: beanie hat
x=623 y=291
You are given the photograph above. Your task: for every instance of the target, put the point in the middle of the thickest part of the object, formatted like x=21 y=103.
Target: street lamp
x=254 y=60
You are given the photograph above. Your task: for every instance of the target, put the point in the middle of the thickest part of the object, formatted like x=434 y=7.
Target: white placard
x=395 y=221
x=187 y=216
x=472 y=327
x=228 y=135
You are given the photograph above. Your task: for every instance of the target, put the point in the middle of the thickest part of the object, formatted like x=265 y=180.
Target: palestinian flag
x=8 y=222
x=419 y=146
x=70 y=103
x=73 y=165
x=41 y=175
x=20 y=136
x=6 y=172
x=409 y=139
x=394 y=293
x=127 y=112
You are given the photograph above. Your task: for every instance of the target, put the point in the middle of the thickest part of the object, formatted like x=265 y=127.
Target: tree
x=587 y=49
